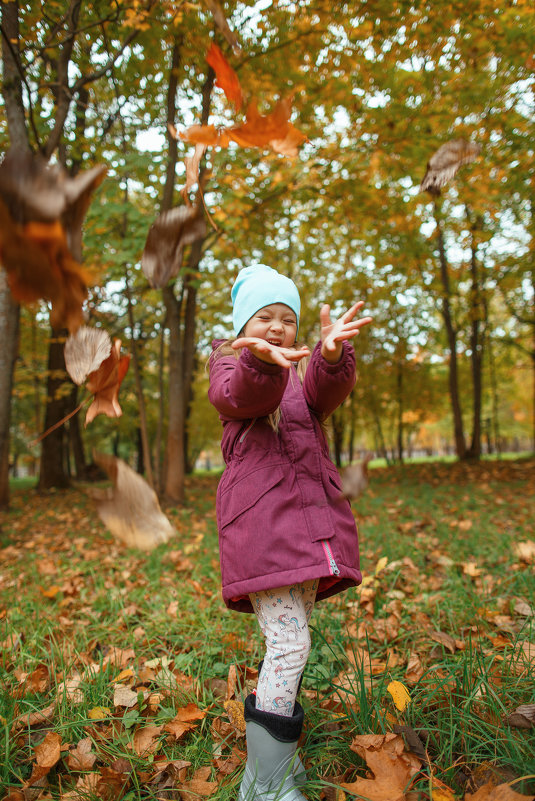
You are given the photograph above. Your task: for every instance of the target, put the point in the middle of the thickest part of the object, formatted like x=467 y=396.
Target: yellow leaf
x=124 y=674
x=400 y=694
x=98 y=712
x=440 y=794
x=381 y=564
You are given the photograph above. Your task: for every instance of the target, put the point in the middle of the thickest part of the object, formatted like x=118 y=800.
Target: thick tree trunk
x=9 y=336
x=145 y=462
x=9 y=310
x=53 y=459
x=453 y=379
x=75 y=438
x=399 y=399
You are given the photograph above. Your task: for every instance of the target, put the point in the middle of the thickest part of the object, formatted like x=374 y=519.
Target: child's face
x=275 y=323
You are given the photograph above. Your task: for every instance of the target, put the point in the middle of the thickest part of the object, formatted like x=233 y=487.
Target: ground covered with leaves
x=122 y=673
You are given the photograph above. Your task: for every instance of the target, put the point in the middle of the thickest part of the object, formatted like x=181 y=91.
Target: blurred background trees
x=449 y=364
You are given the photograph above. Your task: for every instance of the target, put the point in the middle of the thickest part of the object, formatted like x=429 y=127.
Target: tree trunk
x=9 y=310
x=9 y=336
x=453 y=379
x=476 y=347
x=145 y=462
x=174 y=477
x=75 y=438
x=399 y=391
x=52 y=469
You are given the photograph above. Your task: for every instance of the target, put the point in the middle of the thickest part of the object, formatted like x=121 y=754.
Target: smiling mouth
x=277 y=342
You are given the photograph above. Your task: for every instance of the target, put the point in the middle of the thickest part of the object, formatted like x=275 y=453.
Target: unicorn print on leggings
x=281 y=703
x=289 y=624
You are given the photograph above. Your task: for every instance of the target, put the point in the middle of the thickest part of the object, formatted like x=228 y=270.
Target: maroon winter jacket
x=280 y=513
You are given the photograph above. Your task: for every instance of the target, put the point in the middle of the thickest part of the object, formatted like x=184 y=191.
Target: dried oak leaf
x=130 y=509
x=392 y=767
x=104 y=383
x=147 y=740
x=168 y=235
x=443 y=164
x=226 y=78
x=192 y=169
x=85 y=351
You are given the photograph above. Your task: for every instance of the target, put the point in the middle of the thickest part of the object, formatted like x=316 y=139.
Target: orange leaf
x=502 y=792
x=259 y=130
x=48 y=752
x=203 y=135
x=226 y=78
x=82 y=757
x=392 y=768
x=104 y=384
x=147 y=740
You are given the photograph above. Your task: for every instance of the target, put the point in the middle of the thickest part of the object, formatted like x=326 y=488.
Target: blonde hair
x=225 y=349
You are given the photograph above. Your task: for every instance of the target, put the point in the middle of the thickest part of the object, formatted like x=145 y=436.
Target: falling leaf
x=226 y=78
x=130 y=510
x=85 y=351
x=355 y=478
x=48 y=752
x=81 y=757
x=192 y=169
x=391 y=766
x=221 y=22
x=104 y=383
x=400 y=695
x=443 y=165
x=42 y=210
x=168 y=235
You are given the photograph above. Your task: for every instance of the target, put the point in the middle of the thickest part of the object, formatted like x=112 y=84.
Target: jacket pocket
x=334 y=476
x=245 y=491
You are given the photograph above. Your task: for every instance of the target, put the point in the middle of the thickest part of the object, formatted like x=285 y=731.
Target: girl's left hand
x=334 y=333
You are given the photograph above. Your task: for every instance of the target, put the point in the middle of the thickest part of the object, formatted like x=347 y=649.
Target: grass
x=444 y=585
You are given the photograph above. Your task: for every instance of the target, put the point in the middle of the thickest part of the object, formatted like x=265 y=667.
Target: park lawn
x=121 y=672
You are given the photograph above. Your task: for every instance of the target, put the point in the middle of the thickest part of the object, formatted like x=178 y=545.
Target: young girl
x=287 y=537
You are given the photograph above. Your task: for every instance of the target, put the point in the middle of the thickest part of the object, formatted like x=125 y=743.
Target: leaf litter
x=128 y=692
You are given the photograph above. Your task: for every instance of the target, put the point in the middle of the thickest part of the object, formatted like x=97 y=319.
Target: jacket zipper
x=247 y=430
x=333 y=567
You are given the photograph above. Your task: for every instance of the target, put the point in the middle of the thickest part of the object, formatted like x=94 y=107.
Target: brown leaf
x=444 y=639
x=221 y=22
x=147 y=740
x=81 y=757
x=35 y=682
x=392 y=768
x=192 y=169
x=501 y=792
x=355 y=478
x=48 y=752
x=168 y=235
x=198 y=786
x=41 y=215
x=523 y=717
x=207 y=135
x=443 y=165
x=105 y=382
x=85 y=351
x=131 y=510
x=415 y=669
x=34 y=719
x=234 y=711
x=226 y=78
x=178 y=728
x=525 y=551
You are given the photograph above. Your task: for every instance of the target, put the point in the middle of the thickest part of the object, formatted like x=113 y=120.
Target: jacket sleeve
x=247 y=387
x=326 y=385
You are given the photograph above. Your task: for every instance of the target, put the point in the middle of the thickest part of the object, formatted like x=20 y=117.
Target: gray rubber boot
x=271 y=751
x=298 y=768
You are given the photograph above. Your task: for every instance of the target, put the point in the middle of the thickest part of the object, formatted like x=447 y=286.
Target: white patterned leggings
x=283 y=615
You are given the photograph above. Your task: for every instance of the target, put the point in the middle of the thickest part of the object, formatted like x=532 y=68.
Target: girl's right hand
x=272 y=354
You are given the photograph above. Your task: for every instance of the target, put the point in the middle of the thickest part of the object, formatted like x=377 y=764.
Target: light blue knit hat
x=259 y=286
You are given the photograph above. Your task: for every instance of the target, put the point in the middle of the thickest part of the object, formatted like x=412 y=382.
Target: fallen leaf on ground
x=48 y=752
x=525 y=551
x=147 y=740
x=82 y=758
x=392 y=767
x=400 y=695
x=501 y=792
